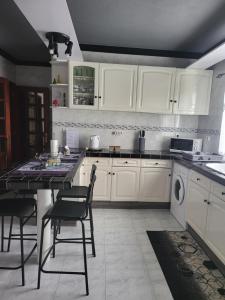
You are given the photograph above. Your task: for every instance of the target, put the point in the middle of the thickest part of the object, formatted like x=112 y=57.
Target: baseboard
x=220 y=265
x=131 y=205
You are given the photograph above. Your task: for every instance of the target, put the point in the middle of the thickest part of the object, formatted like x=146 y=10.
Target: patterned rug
x=188 y=270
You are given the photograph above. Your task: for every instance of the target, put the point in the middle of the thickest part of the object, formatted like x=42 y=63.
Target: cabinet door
x=102 y=188
x=83 y=85
x=155 y=184
x=197 y=207
x=215 y=229
x=125 y=183
x=117 y=87
x=155 y=89
x=192 y=92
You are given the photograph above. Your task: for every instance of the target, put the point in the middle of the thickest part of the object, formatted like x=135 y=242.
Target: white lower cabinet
x=121 y=179
x=155 y=184
x=197 y=207
x=125 y=183
x=215 y=227
x=102 y=188
x=206 y=213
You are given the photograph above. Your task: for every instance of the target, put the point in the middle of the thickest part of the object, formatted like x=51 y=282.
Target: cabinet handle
x=223 y=193
x=175 y=101
x=169 y=175
x=97 y=161
x=113 y=173
x=171 y=100
x=96 y=97
x=206 y=201
x=156 y=163
x=109 y=173
x=126 y=162
x=99 y=97
x=198 y=179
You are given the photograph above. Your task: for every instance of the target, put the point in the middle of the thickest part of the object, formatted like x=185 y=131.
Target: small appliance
x=94 y=142
x=202 y=156
x=179 y=145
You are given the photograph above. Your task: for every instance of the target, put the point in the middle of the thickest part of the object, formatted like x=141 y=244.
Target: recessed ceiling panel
x=175 y=25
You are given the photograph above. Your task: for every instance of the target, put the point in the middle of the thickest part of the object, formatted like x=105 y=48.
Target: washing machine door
x=178 y=189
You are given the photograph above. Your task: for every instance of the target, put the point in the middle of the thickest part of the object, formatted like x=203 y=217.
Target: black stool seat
x=66 y=210
x=23 y=209
x=27 y=192
x=18 y=207
x=74 y=192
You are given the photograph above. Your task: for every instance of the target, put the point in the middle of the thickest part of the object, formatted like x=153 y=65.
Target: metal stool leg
x=10 y=234
x=22 y=252
x=92 y=232
x=2 y=235
x=54 y=237
x=40 y=254
x=85 y=258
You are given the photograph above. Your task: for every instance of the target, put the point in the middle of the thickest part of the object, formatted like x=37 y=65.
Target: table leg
x=44 y=201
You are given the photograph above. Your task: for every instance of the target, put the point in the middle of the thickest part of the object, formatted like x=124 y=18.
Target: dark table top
x=22 y=177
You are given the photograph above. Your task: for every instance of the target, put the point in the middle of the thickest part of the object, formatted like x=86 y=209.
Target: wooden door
x=197 y=208
x=192 y=92
x=37 y=119
x=215 y=229
x=117 y=87
x=155 y=184
x=155 y=89
x=5 y=125
x=125 y=183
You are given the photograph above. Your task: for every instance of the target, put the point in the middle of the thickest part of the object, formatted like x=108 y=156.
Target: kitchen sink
x=218 y=167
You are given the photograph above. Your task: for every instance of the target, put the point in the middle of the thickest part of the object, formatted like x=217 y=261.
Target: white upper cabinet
x=117 y=87
x=192 y=92
x=83 y=85
x=155 y=89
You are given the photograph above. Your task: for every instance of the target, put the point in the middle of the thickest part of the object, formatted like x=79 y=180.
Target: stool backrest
x=90 y=190
x=93 y=170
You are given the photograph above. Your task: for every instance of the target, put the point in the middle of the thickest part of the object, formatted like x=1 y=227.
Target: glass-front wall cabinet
x=83 y=85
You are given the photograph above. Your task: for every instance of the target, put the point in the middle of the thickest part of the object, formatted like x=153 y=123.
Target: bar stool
x=80 y=192
x=70 y=211
x=23 y=209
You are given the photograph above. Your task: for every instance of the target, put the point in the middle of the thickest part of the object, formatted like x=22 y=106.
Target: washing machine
x=179 y=193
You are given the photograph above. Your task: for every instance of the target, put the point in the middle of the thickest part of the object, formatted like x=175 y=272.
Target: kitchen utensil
x=94 y=143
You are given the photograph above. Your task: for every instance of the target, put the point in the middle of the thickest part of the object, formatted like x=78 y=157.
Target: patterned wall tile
x=136 y=127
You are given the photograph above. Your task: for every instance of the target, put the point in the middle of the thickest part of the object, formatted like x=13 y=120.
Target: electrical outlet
x=117 y=132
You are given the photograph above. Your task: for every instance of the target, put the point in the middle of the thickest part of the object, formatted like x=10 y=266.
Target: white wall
x=33 y=76
x=7 y=69
x=214 y=119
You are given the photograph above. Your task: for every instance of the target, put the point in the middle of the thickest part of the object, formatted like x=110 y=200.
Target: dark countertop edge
x=202 y=169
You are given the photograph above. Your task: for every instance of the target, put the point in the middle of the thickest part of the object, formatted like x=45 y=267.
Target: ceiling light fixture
x=68 y=51
x=56 y=38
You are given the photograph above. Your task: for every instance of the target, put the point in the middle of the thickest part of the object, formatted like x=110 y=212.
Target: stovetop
x=202 y=156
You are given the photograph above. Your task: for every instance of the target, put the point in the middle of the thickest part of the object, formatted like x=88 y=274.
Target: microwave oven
x=190 y=145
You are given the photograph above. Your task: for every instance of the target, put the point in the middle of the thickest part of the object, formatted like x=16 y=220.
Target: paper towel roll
x=54 y=147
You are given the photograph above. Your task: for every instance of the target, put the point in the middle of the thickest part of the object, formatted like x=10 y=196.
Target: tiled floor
x=125 y=267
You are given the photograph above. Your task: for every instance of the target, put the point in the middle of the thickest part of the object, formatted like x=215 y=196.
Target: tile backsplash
x=122 y=128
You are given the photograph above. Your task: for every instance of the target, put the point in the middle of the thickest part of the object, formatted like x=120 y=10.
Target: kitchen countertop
x=201 y=168
x=165 y=154
x=149 y=154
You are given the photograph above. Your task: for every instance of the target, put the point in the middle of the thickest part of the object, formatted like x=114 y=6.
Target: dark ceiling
x=180 y=27
x=19 y=42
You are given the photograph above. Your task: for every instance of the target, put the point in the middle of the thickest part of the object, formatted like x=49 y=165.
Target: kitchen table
x=32 y=176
